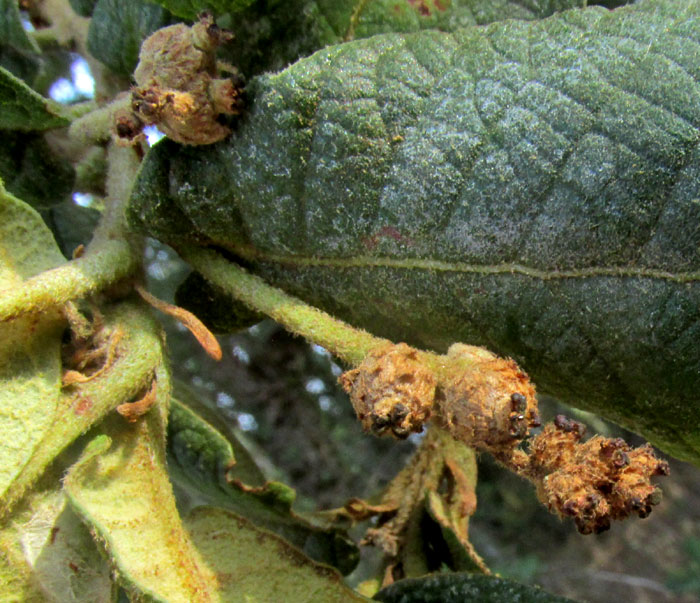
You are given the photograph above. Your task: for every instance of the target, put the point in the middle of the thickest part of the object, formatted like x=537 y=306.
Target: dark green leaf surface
x=457 y=588
x=83 y=7
x=23 y=109
x=190 y=9
x=72 y=225
x=19 y=53
x=272 y=34
x=530 y=187
x=213 y=307
x=33 y=172
x=117 y=29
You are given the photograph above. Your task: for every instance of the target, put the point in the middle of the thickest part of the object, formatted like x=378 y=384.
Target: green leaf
x=72 y=225
x=199 y=457
x=455 y=588
x=23 y=109
x=252 y=564
x=49 y=554
x=527 y=186
x=271 y=35
x=32 y=171
x=77 y=408
x=11 y=30
x=117 y=29
x=26 y=244
x=245 y=469
x=120 y=488
x=19 y=53
x=30 y=355
x=190 y=9
x=83 y=7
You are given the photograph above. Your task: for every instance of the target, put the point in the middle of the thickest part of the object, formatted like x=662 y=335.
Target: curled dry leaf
x=178 y=87
x=437 y=486
x=92 y=351
x=131 y=411
x=203 y=335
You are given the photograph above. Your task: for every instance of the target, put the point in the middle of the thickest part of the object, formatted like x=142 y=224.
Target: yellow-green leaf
x=27 y=246
x=254 y=565
x=30 y=354
x=48 y=555
x=121 y=490
x=138 y=353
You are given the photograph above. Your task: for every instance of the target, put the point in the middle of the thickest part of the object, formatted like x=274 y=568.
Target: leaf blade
x=120 y=488
x=117 y=29
x=23 y=109
x=450 y=588
x=51 y=555
x=525 y=186
x=200 y=462
x=250 y=562
x=30 y=359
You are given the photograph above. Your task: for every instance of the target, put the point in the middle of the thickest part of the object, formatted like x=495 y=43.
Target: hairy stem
x=96 y=126
x=346 y=342
x=112 y=255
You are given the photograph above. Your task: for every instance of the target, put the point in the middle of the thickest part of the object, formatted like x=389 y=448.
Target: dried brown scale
x=391 y=391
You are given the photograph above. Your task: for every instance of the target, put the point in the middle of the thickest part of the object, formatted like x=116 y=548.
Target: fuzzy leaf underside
x=82 y=405
x=254 y=565
x=30 y=354
x=531 y=187
x=50 y=555
x=121 y=490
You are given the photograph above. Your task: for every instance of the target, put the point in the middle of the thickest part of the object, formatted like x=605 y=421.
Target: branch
x=112 y=255
x=346 y=342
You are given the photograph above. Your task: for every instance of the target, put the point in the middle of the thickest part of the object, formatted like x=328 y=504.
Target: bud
x=485 y=401
x=392 y=391
x=178 y=87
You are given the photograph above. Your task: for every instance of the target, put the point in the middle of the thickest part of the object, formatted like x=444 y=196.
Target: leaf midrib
x=252 y=254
